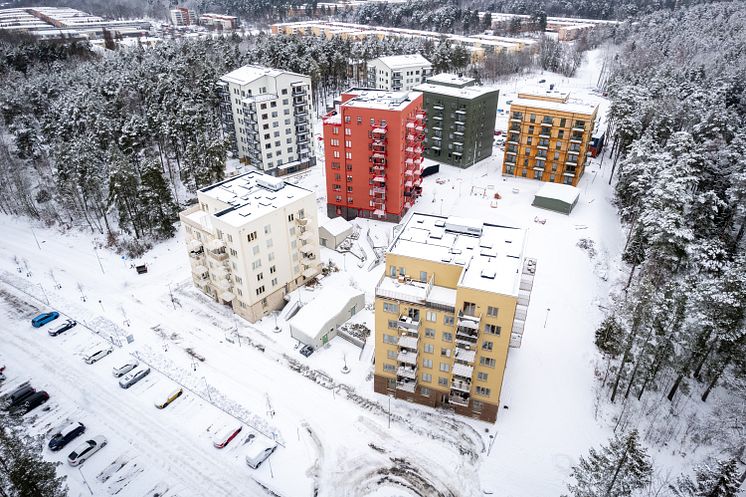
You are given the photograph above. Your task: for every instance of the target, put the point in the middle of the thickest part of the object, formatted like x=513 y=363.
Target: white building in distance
x=182 y=16
x=252 y=239
x=398 y=72
x=267 y=115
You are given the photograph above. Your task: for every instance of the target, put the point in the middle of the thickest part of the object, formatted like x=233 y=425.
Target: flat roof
x=564 y=193
x=250 y=73
x=400 y=61
x=491 y=255
x=467 y=92
x=445 y=78
x=250 y=196
x=574 y=108
x=328 y=302
x=336 y=226
x=380 y=99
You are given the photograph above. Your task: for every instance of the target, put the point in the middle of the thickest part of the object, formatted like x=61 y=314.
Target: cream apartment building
x=252 y=239
x=398 y=72
x=267 y=116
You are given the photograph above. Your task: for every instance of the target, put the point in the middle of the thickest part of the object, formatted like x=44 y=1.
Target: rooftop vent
x=270 y=183
x=489 y=274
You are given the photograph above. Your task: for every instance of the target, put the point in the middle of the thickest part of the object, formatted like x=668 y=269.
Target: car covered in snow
x=258 y=451
x=134 y=376
x=123 y=369
x=20 y=394
x=31 y=402
x=86 y=450
x=44 y=318
x=67 y=325
x=66 y=435
x=225 y=436
x=306 y=351
x=168 y=398
x=97 y=353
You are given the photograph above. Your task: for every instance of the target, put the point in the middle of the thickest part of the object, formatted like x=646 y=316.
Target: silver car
x=119 y=371
x=134 y=376
x=86 y=450
x=97 y=354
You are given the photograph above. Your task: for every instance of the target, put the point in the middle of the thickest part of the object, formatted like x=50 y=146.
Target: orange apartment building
x=548 y=137
x=373 y=150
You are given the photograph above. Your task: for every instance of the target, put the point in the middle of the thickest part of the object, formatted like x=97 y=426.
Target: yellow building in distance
x=548 y=137
x=452 y=300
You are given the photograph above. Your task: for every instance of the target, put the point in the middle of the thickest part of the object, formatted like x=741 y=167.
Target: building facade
x=219 y=21
x=182 y=16
x=373 y=150
x=445 y=309
x=252 y=239
x=398 y=72
x=267 y=116
x=548 y=137
x=461 y=119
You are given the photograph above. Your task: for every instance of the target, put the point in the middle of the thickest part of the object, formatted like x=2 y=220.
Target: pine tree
x=616 y=470
x=720 y=480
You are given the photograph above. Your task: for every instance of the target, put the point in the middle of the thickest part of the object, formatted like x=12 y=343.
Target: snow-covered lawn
x=337 y=435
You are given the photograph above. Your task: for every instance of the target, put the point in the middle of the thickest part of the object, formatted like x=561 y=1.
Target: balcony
x=546 y=123
x=410 y=324
x=308 y=248
x=437 y=107
x=467 y=320
x=377 y=190
x=218 y=256
x=437 y=117
x=407 y=357
x=200 y=272
x=516 y=117
x=576 y=139
x=407 y=372
x=408 y=342
x=459 y=400
x=406 y=386
x=570 y=162
x=461 y=386
x=579 y=129
x=466 y=356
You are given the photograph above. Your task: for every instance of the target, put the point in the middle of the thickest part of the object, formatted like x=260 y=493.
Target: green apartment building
x=460 y=119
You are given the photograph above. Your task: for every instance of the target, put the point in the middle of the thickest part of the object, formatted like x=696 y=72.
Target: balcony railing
x=459 y=400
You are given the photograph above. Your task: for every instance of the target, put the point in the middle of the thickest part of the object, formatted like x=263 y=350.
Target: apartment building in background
x=252 y=239
x=460 y=117
x=183 y=16
x=548 y=137
x=267 y=116
x=446 y=309
x=373 y=150
x=219 y=21
x=398 y=72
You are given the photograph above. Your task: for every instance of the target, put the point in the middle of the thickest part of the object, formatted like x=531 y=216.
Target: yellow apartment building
x=450 y=302
x=548 y=137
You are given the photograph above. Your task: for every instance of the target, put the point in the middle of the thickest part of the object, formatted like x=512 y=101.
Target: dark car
x=70 y=323
x=31 y=402
x=306 y=351
x=44 y=318
x=20 y=394
x=66 y=435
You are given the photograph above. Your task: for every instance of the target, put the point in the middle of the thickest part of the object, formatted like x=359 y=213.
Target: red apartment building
x=373 y=149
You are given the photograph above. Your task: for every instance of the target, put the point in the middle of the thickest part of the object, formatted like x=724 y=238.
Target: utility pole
x=80 y=470
x=35 y=239
x=547 y=317
x=99 y=261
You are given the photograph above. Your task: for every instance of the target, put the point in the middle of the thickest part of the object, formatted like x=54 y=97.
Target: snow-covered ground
x=337 y=436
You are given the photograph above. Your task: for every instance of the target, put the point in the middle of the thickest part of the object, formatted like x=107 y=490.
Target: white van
x=258 y=452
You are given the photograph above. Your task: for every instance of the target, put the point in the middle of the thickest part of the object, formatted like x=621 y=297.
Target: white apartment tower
x=252 y=239
x=398 y=72
x=182 y=16
x=267 y=115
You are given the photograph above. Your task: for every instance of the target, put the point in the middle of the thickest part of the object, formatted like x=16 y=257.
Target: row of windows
x=563 y=122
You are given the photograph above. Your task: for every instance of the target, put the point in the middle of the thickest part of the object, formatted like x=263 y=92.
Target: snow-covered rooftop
x=564 y=193
x=466 y=93
x=574 y=108
x=250 y=196
x=380 y=99
x=404 y=61
x=329 y=301
x=445 y=78
x=491 y=255
x=337 y=226
x=250 y=73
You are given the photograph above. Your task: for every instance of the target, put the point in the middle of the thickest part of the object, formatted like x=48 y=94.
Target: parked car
x=161 y=404
x=70 y=323
x=66 y=435
x=20 y=394
x=133 y=377
x=306 y=351
x=500 y=141
x=44 y=318
x=86 y=450
x=224 y=437
x=96 y=354
x=258 y=452
x=31 y=402
x=119 y=371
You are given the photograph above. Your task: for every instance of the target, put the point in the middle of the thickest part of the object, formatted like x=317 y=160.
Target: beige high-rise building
x=453 y=297
x=252 y=239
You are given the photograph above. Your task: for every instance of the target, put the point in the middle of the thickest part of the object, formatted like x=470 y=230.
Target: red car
x=224 y=437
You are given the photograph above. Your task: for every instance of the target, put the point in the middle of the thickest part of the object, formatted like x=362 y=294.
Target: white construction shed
x=556 y=197
x=316 y=323
x=334 y=231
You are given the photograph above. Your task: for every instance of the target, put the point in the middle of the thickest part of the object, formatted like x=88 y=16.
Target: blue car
x=44 y=318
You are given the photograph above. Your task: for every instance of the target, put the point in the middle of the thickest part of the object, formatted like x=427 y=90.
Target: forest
x=674 y=340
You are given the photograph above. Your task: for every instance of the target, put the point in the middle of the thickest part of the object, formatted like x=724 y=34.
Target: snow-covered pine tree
x=720 y=479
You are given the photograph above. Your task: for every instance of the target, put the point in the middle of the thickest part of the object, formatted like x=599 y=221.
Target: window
x=482 y=376
x=448 y=320
x=389 y=368
x=390 y=339
x=427 y=378
x=445 y=367
x=442 y=380
x=252 y=236
x=492 y=329
x=447 y=336
x=432 y=316
x=238 y=279
x=274 y=281
x=487 y=361
x=388 y=307
x=427 y=363
x=269 y=243
x=423 y=276
x=391 y=354
x=429 y=333
x=348 y=155
x=445 y=352
x=429 y=348
x=271 y=256
x=492 y=311
x=487 y=346
x=392 y=271
x=255 y=249
x=272 y=269
x=260 y=290
x=234 y=253
x=256 y=264
x=484 y=392
x=260 y=277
